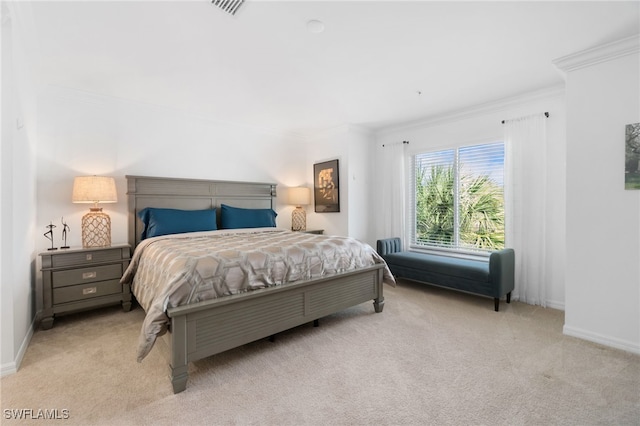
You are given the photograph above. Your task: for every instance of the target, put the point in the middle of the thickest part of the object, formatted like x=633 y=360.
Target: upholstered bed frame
x=206 y=328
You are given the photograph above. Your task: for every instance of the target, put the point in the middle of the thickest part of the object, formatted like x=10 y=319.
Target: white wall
x=603 y=219
x=484 y=124
x=361 y=191
x=83 y=133
x=7 y=353
x=351 y=145
x=17 y=211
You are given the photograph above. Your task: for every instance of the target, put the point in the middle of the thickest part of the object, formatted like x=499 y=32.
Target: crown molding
x=599 y=54
x=498 y=105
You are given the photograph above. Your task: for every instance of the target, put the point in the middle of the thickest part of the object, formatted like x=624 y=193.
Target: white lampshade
x=299 y=196
x=94 y=189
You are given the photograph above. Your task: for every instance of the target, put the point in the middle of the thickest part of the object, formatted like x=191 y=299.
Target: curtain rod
x=546 y=114
x=407 y=142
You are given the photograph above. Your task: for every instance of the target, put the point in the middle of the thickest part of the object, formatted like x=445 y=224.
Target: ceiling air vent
x=229 y=6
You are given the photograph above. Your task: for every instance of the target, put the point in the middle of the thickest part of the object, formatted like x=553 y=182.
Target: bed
x=198 y=330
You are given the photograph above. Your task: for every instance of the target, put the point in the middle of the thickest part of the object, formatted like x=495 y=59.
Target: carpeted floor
x=433 y=357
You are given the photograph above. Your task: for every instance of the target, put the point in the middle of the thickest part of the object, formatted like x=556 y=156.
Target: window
x=458 y=199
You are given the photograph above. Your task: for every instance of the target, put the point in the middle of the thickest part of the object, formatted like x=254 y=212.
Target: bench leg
x=496 y=301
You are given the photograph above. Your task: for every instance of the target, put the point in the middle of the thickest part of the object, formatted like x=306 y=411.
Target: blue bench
x=493 y=278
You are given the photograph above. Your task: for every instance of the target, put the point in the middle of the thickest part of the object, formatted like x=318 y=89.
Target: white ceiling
x=263 y=68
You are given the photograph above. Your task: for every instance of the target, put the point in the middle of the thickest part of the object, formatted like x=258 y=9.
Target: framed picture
x=632 y=157
x=326 y=187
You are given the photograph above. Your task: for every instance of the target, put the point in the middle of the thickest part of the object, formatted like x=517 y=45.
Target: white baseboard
x=602 y=340
x=12 y=367
x=8 y=369
x=554 y=304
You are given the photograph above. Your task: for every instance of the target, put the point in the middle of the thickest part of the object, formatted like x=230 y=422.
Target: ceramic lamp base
x=298 y=219
x=96 y=229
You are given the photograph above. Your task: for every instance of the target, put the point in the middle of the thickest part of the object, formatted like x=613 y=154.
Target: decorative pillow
x=172 y=221
x=235 y=217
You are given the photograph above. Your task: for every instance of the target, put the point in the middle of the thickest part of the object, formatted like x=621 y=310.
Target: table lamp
x=96 y=225
x=299 y=197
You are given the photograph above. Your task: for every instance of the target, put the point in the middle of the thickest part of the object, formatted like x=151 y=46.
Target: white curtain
x=392 y=179
x=525 y=205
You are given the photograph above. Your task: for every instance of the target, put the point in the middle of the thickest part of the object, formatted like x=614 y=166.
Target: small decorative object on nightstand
x=80 y=279
x=65 y=230
x=299 y=197
x=49 y=235
x=96 y=226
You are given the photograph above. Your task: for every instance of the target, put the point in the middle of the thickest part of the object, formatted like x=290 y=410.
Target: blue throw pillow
x=172 y=221
x=235 y=217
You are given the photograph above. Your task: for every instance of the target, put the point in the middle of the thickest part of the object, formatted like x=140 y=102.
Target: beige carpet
x=433 y=357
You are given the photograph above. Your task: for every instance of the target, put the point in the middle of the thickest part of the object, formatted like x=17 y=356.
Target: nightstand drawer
x=86 y=275
x=86 y=257
x=86 y=291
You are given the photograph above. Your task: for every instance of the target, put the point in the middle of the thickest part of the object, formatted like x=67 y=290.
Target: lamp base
x=298 y=219
x=96 y=229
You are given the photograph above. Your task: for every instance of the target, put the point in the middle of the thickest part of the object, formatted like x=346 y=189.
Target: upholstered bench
x=493 y=277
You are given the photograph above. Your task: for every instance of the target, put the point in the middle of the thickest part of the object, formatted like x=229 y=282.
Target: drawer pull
x=89 y=256
x=89 y=290
x=88 y=275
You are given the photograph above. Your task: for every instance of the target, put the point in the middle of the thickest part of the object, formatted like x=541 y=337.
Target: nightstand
x=80 y=279
x=314 y=231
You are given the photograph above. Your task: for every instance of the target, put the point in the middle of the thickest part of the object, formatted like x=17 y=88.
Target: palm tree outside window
x=458 y=201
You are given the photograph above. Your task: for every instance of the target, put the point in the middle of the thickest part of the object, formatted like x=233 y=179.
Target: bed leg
x=179 y=378
x=178 y=365
x=126 y=298
x=378 y=304
x=316 y=323
x=509 y=297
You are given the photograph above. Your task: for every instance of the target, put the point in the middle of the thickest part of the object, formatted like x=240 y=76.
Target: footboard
x=207 y=328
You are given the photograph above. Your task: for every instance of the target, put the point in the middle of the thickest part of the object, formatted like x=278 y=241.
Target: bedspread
x=175 y=270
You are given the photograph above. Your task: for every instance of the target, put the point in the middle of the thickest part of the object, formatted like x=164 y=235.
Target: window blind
x=457 y=198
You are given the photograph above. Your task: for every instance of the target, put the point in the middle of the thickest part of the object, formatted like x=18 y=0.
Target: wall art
x=632 y=157
x=326 y=187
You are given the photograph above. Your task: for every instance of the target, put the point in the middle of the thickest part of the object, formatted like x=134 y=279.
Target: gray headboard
x=192 y=194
